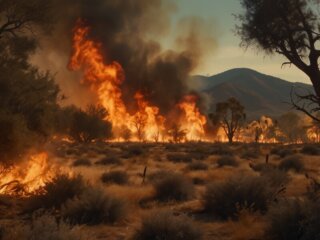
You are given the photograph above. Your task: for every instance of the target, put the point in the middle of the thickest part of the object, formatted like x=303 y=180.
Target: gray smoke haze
x=129 y=31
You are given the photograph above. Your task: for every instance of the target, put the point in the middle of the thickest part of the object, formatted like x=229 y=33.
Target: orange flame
x=28 y=176
x=106 y=79
x=193 y=121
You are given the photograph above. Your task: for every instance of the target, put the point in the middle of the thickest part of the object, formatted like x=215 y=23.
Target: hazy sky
x=228 y=54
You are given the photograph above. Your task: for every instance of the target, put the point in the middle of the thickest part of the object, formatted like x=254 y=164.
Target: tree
x=89 y=125
x=139 y=122
x=230 y=116
x=177 y=134
x=289 y=28
x=292 y=128
x=24 y=16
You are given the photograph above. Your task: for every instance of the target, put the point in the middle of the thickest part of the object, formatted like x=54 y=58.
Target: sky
x=228 y=54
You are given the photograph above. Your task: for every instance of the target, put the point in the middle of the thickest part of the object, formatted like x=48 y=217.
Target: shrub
x=227 y=161
x=165 y=226
x=173 y=187
x=225 y=199
x=292 y=163
x=222 y=149
x=81 y=162
x=117 y=177
x=259 y=167
x=158 y=175
x=250 y=155
x=179 y=157
x=197 y=166
x=42 y=227
x=56 y=192
x=93 y=207
x=294 y=220
x=310 y=150
x=282 y=152
x=108 y=161
x=275 y=177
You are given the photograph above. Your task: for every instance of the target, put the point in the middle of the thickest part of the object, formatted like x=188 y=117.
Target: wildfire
x=193 y=120
x=105 y=79
x=28 y=176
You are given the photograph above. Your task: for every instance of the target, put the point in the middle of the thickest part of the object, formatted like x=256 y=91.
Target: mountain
x=259 y=93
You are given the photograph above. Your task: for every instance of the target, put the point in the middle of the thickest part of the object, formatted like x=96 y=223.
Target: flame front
x=193 y=120
x=105 y=79
x=27 y=176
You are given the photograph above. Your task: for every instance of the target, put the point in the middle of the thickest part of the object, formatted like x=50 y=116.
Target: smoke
x=130 y=32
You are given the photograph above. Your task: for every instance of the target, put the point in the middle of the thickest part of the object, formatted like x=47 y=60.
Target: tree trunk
x=315 y=79
x=230 y=138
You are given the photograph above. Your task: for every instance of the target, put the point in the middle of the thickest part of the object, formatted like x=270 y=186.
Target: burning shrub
x=56 y=192
x=225 y=199
x=197 y=166
x=310 y=150
x=42 y=227
x=294 y=220
x=93 y=207
x=117 y=177
x=173 y=186
x=81 y=162
x=108 y=161
x=89 y=125
x=165 y=226
x=227 y=161
x=179 y=157
x=292 y=163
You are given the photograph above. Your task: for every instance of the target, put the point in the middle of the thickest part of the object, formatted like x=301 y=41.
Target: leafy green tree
x=230 y=116
x=289 y=28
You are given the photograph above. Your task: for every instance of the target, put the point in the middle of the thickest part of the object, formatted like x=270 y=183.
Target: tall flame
x=193 y=121
x=106 y=79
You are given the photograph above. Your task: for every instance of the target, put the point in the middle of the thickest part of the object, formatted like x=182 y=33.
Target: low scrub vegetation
x=227 y=161
x=292 y=163
x=179 y=157
x=109 y=161
x=164 y=225
x=93 y=207
x=115 y=177
x=82 y=162
x=197 y=166
x=173 y=187
x=310 y=150
x=225 y=199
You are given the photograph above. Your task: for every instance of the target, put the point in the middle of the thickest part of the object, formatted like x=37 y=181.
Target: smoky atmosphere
x=159 y=120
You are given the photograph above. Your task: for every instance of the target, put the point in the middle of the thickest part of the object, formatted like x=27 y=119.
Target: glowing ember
x=27 y=176
x=193 y=121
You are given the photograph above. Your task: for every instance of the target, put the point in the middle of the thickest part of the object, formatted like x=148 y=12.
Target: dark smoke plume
x=129 y=31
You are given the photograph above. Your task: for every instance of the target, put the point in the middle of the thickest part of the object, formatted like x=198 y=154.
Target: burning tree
x=230 y=116
x=177 y=134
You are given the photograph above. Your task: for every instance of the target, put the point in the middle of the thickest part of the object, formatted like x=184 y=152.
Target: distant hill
x=260 y=94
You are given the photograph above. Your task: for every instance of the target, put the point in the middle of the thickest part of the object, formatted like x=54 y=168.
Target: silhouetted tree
x=230 y=116
x=90 y=125
x=292 y=128
x=177 y=134
x=289 y=28
x=139 y=123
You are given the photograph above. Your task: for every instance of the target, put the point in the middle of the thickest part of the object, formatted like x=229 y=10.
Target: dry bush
x=225 y=199
x=250 y=151
x=93 y=207
x=294 y=219
x=81 y=162
x=134 y=150
x=44 y=227
x=292 y=163
x=248 y=154
x=275 y=177
x=227 y=161
x=198 y=180
x=282 y=152
x=115 y=177
x=310 y=150
x=260 y=167
x=109 y=161
x=179 y=157
x=222 y=149
x=55 y=192
x=197 y=166
x=172 y=187
x=164 y=225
